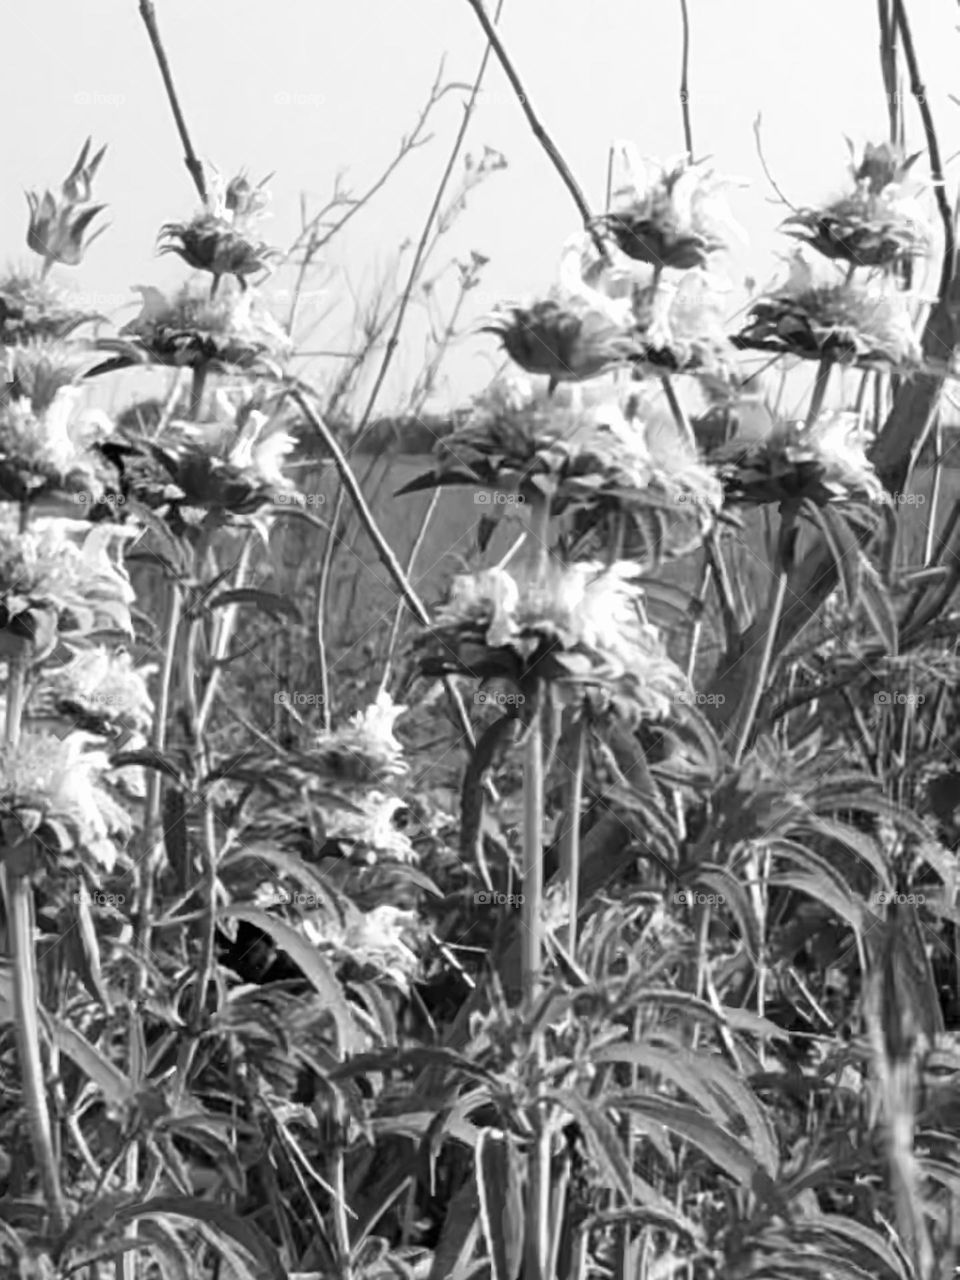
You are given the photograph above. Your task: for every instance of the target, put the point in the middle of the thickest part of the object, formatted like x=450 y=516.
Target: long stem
x=383 y=548
x=411 y=561
x=685 y=80
x=26 y=998
x=819 y=391
x=195 y=168
x=533 y=799
x=570 y=835
x=931 y=534
x=782 y=566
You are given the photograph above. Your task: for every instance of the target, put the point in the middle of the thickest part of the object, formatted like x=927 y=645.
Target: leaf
x=878 y=606
x=500 y=1194
x=843 y=547
x=603 y=1141
x=273 y=605
x=685 y=1122
x=459 y=1234
x=111 y=1082
x=226 y=1223
x=310 y=962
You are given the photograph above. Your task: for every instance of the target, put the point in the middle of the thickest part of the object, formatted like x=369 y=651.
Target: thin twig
x=382 y=547
x=685 y=80
x=539 y=132
x=418 y=256
x=918 y=89
x=195 y=168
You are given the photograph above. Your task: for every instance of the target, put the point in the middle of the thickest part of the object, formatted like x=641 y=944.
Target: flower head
x=59 y=578
x=851 y=324
x=373 y=939
x=53 y=787
x=220 y=238
x=34 y=308
x=879 y=224
x=670 y=215
x=232 y=331
x=233 y=462
x=371 y=828
x=58 y=226
x=46 y=440
x=611 y=457
x=822 y=463
x=105 y=687
x=365 y=748
x=574 y=623
x=575 y=333
x=683 y=326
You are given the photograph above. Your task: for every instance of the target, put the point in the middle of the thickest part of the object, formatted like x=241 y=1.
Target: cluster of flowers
x=75 y=694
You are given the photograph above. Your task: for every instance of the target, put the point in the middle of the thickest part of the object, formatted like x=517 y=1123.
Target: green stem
x=570 y=835
x=26 y=996
x=782 y=566
x=533 y=799
x=819 y=391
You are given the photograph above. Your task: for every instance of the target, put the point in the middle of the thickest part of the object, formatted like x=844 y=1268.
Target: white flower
x=107 y=685
x=670 y=215
x=588 y=607
x=61 y=778
x=375 y=724
x=373 y=827
x=243 y=437
x=838 y=441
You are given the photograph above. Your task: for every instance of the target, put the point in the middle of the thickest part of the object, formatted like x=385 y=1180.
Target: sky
x=311 y=89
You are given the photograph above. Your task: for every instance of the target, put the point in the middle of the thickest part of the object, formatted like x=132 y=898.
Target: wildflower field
x=518 y=843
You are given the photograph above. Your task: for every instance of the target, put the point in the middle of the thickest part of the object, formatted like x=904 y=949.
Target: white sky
x=310 y=88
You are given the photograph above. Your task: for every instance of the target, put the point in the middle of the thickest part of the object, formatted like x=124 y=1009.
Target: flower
x=34 y=308
x=45 y=444
x=57 y=227
x=575 y=333
x=372 y=939
x=581 y=623
x=232 y=331
x=370 y=827
x=104 y=686
x=597 y=461
x=52 y=786
x=232 y=463
x=822 y=463
x=682 y=326
x=852 y=324
x=52 y=584
x=219 y=239
x=669 y=215
x=879 y=224
x=366 y=747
